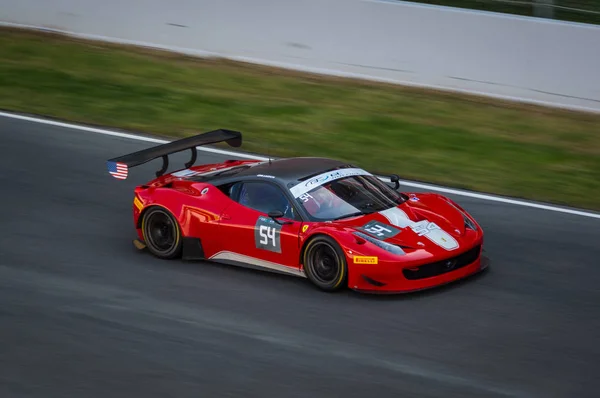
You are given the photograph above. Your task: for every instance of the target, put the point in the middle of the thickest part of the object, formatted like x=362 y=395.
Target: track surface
x=85 y=315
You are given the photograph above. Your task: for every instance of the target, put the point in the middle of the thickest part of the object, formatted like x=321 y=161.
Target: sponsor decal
x=323 y=178
x=267 y=234
x=137 y=203
x=365 y=260
x=423 y=228
x=380 y=230
x=304 y=228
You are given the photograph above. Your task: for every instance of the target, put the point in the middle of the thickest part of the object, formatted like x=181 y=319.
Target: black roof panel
x=285 y=170
x=294 y=169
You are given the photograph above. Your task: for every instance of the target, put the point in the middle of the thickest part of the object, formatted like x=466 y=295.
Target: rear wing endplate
x=119 y=167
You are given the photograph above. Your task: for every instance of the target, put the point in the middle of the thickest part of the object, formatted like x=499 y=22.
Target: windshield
x=350 y=196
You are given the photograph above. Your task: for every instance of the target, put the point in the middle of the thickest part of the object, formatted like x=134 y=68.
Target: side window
x=265 y=197
x=231 y=189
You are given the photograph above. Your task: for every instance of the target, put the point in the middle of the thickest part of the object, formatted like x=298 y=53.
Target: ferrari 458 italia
x=322 y=219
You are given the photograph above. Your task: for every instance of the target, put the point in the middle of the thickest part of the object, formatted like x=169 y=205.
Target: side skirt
x=231 y=258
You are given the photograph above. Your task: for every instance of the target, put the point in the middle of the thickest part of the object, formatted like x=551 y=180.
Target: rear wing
x=119 y=167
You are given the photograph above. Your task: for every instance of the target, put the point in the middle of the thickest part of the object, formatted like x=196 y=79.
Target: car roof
x=285 y=171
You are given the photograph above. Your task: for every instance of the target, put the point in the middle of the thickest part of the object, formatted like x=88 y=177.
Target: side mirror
x=275 y=214
x=395 y=179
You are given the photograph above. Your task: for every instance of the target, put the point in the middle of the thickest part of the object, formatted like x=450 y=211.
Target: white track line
x=256 y=157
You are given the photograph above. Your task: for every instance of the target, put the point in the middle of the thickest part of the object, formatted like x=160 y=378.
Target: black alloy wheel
x=161 y=232
x=325 y=263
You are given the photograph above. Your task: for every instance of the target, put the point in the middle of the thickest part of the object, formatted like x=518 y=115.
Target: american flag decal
x=117 y=170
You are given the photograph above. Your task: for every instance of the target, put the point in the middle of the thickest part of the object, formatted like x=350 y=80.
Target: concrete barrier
x=516 y=58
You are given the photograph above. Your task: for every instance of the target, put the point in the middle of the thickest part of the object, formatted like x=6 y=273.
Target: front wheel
x=161 y=232
x=325 y=264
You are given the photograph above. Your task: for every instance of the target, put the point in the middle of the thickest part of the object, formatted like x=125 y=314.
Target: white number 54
x=267 y=233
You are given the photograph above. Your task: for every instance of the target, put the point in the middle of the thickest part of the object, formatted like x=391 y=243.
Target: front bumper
x=391 y=280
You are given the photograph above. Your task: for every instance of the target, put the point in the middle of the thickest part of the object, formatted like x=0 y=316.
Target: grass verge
x=563 y=10
x=457 y=140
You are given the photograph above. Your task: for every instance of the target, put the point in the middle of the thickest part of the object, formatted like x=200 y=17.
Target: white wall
x=522 y=58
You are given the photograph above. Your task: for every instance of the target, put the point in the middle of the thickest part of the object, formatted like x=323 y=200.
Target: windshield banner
x=324 y=178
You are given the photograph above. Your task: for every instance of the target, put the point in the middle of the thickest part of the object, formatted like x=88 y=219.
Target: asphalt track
x=83 y=314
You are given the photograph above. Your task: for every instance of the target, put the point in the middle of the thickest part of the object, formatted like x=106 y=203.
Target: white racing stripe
x=425 y=228
x=213 y=170
x=257 y=157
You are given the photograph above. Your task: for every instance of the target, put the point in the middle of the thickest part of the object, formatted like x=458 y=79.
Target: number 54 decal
x=380 y=230
x=267 y=234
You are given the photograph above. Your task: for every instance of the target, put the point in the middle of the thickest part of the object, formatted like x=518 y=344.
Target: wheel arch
x=177 y=248
x=332 y=238
x=340 y=237
x=347 y=242
x=152 y=205
x=311 y=238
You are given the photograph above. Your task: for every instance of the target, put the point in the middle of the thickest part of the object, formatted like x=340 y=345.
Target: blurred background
x=584 y=11
x=479 y=100
x=495 y=104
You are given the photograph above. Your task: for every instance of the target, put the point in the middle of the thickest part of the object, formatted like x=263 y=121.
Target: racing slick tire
x=161 y=232
x=325 y=263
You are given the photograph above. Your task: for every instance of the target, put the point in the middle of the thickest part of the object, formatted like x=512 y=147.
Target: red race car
x=334 y=223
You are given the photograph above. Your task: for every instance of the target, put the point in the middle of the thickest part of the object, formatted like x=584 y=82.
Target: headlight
x=379 y=243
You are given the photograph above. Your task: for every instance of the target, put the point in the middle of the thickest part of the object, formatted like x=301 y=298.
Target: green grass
x=587 y=11
x=462 y=141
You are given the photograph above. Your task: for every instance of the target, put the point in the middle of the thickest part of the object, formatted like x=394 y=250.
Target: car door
x=249 y=235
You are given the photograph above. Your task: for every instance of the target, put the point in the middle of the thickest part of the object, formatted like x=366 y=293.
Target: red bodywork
x=227 y=232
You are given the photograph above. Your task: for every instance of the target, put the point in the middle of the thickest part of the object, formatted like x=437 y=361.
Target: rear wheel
x=161 y=232
x=325 y=264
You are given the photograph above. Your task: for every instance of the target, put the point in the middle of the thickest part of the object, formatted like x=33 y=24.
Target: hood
x=426 y=221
